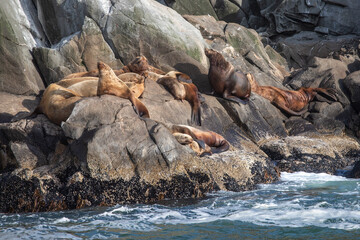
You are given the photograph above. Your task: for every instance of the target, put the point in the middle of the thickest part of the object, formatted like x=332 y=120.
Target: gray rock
x=28 y=143
x=77 y=53
x=338 y=17
x=12 y=105
x=352 y=85
x=299 y=48
x=328 y=125
x=297 y=126
x=19 y=34
x=133 y=32
x=355 y=172
x=228 y=11
x=201 y=7
x=60 y=19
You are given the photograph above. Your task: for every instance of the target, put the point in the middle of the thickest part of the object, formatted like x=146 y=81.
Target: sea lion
x=181 y=91
x=57 y=103
x=291 y=102
x=212 y=139
x=134 y=81
x=140 y=65
x=109 y=83
x=186 y=139
x=224 y=80
x=172 y=85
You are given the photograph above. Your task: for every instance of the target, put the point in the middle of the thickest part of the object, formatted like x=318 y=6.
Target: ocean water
x=300 y=206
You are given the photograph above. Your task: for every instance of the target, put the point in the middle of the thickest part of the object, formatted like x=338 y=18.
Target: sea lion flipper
x=234 y=98
x=329 y=93
x=196 y=115
x=201 y=143
x=140 y=108
x=223 y=147
x=288 y=110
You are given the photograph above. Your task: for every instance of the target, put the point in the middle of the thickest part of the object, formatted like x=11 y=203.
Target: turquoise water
x=300 y=206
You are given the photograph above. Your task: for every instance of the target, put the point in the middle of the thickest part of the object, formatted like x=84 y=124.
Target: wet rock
x=316 y=154
x=355 y=172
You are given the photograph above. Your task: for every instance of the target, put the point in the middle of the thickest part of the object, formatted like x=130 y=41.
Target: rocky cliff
x=105 y=154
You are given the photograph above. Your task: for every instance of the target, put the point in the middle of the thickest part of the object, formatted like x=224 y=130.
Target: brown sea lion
x=291 y=102
x=134 y=81
x=57 y=103
x=109 y=83
x=224 y=80
x=186 y=139
x=140 y=65
x=172 y=85
x=212 y=139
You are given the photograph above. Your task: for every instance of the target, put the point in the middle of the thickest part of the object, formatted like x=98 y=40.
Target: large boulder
x=19 y=34
x=77 y=53
x=352 y=85
x=133 y=30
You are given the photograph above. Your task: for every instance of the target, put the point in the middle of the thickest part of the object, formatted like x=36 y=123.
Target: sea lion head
x=216 y=59
x=104 y=69
x=139 y=64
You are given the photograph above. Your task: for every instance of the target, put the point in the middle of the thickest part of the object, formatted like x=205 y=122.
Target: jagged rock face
x=301 y=47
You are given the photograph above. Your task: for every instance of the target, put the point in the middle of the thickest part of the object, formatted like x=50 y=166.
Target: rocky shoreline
x=105 y=154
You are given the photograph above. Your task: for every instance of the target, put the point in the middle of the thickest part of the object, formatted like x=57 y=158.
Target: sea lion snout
x=101 y=65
